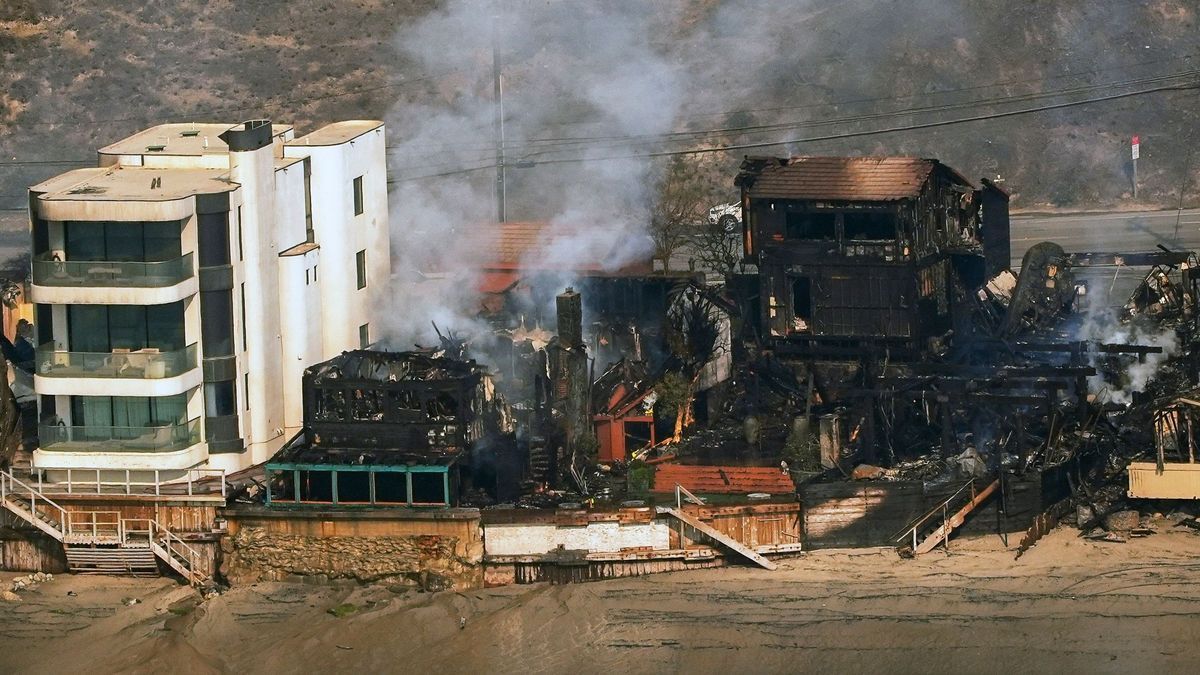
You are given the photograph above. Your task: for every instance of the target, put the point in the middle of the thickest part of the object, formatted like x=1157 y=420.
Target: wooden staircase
x=102 y=542
x=717 y=536
x=933 y=528
x=112 y=560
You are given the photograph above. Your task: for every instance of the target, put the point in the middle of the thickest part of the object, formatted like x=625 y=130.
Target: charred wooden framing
x=390 y=428
x=864 y=251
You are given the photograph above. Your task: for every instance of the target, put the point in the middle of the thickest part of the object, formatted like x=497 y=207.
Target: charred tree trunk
x=10 y=420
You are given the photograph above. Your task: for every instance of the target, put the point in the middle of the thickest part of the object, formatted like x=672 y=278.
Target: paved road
x=1116 y=232
x=1109 y=232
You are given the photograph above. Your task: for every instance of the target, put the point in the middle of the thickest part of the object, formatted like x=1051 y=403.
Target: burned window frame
x=295 y=485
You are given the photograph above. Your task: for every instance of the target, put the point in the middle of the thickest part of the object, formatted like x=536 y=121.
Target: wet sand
x=1068 y=605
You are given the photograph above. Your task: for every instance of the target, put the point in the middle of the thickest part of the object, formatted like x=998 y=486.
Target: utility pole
x=498 y=104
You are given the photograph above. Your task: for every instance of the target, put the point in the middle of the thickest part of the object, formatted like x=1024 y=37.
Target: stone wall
x=437 y=554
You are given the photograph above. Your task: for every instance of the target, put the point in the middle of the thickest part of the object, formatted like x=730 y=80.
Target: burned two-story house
x=389 y=429
x=860 y=254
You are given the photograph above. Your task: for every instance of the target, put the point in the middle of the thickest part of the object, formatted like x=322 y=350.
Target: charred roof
x=873 y=179
x=384 y=366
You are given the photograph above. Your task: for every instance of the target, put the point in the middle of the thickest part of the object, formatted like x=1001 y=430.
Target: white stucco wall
x=342 y=234
x=263 y=422
x=289 y=323
x=536 y=539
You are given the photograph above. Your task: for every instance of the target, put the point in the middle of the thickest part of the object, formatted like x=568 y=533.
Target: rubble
x=1122 y=521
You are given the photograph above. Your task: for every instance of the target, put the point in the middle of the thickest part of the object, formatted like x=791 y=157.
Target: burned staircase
x=936 y=525
x=102 y=542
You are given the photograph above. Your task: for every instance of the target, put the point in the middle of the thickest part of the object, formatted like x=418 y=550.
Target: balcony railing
x=143 y=364
x=83 y=273
x=149 y=438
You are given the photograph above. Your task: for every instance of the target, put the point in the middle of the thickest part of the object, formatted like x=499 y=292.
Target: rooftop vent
x=155 y=148
x=190 y=133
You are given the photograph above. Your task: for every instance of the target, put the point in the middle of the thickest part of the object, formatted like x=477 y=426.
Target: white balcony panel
x=118 y=386
x=82 y=459
x=100 y=295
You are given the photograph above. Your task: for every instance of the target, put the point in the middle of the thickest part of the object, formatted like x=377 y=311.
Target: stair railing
x=94 y=524
x=11 y=485
x=173 y=545
x=914 y=528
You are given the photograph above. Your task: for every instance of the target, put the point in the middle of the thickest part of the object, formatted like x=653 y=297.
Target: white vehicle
x=728 y=216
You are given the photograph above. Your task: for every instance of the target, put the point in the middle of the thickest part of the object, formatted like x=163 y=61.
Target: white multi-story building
x=183 y=285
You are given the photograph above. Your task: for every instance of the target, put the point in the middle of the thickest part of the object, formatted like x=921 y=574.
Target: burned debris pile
x=394 y=428
x=877 y=335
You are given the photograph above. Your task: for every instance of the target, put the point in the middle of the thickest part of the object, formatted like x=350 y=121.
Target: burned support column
x=571 y=373
x=947 y=426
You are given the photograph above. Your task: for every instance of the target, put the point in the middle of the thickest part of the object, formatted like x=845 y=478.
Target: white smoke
x=1102 y=326
x=614 y=83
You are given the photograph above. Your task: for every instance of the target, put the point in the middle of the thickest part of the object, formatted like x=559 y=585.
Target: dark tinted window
x=216 y=322
x=869 y=226
x=811 y=226
x=214 y=239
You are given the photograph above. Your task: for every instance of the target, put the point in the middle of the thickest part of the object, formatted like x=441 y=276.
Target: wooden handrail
x=936 y=510
x=9 y=481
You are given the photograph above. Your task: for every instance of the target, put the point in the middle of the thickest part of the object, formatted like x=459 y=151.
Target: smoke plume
x=614 y=83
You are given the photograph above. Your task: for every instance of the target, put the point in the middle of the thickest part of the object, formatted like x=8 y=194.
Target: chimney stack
x=570 y=318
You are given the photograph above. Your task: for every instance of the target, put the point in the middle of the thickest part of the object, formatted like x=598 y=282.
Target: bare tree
x=718 y=247
x=693 y=333
x=681 y=204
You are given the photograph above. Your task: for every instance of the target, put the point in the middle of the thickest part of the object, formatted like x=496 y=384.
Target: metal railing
x=916 y=527
x=95 y=525
x=149 y=438
x=111 y=273
x=131 y=533
x=169 y=545
x=143 y=364
x=10 y=485
x=192 y=482
x=681 y=493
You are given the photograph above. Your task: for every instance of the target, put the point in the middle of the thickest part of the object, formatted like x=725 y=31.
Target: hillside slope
x=81 y=73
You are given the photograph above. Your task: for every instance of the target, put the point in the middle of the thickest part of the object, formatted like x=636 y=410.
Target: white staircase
x=102 y=542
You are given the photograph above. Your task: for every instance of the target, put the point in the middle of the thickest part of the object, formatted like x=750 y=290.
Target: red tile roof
x=530 y=246
x=837 y=178
x=722 y=479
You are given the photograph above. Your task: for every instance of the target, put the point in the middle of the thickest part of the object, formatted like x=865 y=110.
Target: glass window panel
x=44 y=323
x=85 y=241
x=169 y=409
x=164 y=326
x=127 y=326
x=163 y=241
x=220 y=399
x=216 y=322
x=214 y=239
x=123 y=242
x=87 y=328
x=131 y=411
x=91 y=411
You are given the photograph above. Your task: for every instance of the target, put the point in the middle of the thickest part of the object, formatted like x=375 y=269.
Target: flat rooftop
x=123 y=183
x=338 y=132
x=192 y=139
